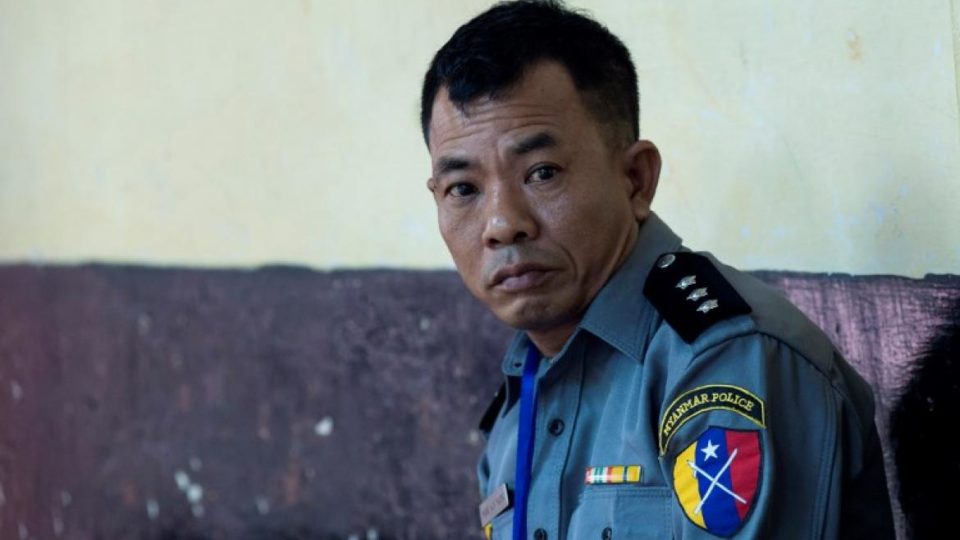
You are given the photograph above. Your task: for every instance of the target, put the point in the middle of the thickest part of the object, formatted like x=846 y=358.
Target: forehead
x=544 y=98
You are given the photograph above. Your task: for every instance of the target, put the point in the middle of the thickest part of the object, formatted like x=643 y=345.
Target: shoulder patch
x=691 y=294
x=717 y=477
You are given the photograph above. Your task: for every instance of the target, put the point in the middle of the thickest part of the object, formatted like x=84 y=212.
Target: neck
x=550 y=342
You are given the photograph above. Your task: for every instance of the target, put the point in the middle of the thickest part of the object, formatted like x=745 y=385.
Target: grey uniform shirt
x=652 y=423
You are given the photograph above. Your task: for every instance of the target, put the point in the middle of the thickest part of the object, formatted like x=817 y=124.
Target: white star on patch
x=710 y=451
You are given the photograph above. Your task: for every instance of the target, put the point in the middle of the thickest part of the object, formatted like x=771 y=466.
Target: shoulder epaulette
x=691 y=294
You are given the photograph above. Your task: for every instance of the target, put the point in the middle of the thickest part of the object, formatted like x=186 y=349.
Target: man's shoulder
x=706 y=303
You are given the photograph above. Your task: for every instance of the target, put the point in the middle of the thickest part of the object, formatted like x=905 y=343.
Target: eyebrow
x=449 y=164
x=537 y=141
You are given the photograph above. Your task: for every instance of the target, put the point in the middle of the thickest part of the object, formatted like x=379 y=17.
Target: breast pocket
x=503 y=526
x=622 y=513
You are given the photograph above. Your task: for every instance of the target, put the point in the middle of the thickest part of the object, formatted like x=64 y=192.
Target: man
x=650 y=392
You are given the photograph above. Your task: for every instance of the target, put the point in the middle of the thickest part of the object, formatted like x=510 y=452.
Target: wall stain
x=854 y=46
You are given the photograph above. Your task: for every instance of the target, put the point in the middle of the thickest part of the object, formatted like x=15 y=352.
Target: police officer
x=651 y=392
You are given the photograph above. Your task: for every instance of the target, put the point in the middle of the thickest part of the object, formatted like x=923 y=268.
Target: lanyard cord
x=528 y=418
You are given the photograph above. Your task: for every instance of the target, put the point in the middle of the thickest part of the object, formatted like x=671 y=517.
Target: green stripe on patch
x=708 y=398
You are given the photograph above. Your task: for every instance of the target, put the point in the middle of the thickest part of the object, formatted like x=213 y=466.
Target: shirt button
x=539 y=534
x=556 y=426
x=607 y=534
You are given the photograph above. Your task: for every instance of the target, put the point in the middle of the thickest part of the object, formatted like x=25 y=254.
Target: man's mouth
x=520 y=277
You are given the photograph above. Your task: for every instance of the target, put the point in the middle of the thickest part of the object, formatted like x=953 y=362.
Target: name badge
x=494 y=505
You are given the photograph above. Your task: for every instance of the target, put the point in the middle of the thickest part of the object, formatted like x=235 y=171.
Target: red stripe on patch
x=745 y=470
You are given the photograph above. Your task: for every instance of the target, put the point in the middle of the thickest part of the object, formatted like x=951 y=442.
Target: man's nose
x=508 y=218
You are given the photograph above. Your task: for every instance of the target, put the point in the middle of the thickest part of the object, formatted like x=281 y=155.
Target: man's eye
x=462 y=189
x=540 y=174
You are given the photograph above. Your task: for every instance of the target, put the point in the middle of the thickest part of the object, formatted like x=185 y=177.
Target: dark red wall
x=310 y=405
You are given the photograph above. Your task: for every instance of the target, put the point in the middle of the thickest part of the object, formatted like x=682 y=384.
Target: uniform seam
x=827 y=455
x=796 y=351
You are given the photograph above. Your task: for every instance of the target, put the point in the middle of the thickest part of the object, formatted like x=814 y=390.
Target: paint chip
x=263 y=505
x=143 y=324
x=195 y=464
x=372 y=534
x=182 y=479
x=474 y=437
x=197 y=510
x=22 y=531
x=424 y=324
x=153 y=508
x=65 y=498
x=16 y=391
x=324 y=427
x=195 y=493
x=3 y=498
x=57 y=526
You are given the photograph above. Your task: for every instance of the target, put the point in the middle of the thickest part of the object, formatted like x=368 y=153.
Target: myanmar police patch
x=717 y=478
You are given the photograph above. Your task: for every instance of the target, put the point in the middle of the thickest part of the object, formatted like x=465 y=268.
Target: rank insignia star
x=697 y=294
x=708 y=305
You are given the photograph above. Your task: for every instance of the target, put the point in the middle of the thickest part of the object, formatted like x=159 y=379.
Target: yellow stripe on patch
x=488 y=531
x=686 y=485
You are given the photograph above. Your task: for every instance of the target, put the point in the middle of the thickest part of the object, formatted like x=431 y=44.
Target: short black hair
x=489 y=54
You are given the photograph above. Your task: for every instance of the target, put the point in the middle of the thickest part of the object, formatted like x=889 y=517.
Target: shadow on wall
x=928 y=468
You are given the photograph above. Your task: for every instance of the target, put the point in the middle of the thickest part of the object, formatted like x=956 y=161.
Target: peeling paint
x=182 y=479
x=263 y=505
x=143 y=324
x=324 y=427
x=195 y=493
x=16 y=391
x=153 y=509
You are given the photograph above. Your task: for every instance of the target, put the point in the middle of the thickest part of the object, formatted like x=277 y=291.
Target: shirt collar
x=619 y=311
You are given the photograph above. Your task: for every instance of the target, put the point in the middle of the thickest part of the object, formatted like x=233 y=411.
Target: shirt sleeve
x=758 y=441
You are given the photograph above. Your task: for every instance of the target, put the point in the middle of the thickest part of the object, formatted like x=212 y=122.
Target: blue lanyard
x=528 y=418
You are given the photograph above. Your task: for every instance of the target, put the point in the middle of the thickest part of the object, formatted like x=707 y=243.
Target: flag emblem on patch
x=616 y=474
x=717 y=477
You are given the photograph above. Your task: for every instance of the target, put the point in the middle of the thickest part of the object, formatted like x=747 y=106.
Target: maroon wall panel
x=285 y=403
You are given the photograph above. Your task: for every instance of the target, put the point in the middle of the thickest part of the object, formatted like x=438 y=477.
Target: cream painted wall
x=818 y=135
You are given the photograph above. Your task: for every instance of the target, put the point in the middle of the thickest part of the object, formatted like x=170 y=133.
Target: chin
x=532 y=314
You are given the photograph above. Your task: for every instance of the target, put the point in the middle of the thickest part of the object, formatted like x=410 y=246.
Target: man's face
x=534 y=205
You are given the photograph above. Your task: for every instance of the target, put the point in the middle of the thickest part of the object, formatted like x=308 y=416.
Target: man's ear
x=642 y=167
